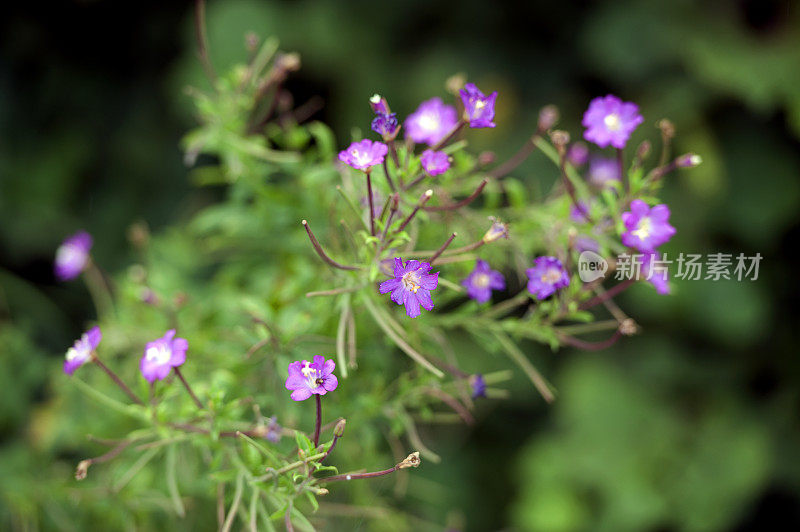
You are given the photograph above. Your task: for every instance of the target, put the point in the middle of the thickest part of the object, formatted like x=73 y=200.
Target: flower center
x=644 y=228
x=68 y=254
x=312 y=376
x=159 y=354
x=481 y=280
x=73 y=353
x=612 y=121
x=411 y=281
x=428 y=122
x=551 y=276
x=480 y=104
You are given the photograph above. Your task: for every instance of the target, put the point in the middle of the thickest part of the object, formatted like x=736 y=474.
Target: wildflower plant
x=269 y=313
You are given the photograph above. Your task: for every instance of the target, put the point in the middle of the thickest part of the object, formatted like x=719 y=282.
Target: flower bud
x=486 y=158
x=688 y=160
x=578 y=154
x=455 y=83
x=251 y=41
x=379 y=104
x=82 y=469
x=548 y=116
x=667 y=128
x=338 y=430
x=288 y=62
x=643 y=151
x=560 y=138
x=628 y=327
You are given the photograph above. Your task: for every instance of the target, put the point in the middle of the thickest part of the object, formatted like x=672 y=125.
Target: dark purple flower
x=478 y=385
x=386 y=125
x=609 y=120
x=81 y=351
x=72 y=256
x=431 y=122
x=603 y=172
x=309 y=378
x=647 y=228
x=161 y=355
x=482 y=280
x=411 y=286
x=578 y=154
x=546 y=276
x=435 y=162
x=478 y=108
x=364 y=155
x=655 y=275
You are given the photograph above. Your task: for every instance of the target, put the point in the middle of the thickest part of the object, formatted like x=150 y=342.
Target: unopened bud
x=455 y=83
x=548 y=116
x=628 y=327
x=486 y=158
x=338 y=430
x=288 y=62
x=251 y=41
x=688 y=160
x=301 y=454
x=667 y=128
x=412 y=460
x=379 y=104
x=643 y=151
x=139 y=234
x=560 y=138
x=82 y=469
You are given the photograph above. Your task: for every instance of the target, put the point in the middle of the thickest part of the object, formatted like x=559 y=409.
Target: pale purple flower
x=585 y=243
x=73 y=256
x=364 y=155
x=411 y=286
x=647 y=228
x=478 y=108
x=161 y=355
x=431 y=122
x=309 y=378
x=497 y=231
x=482 y=280
x=81 y=351
x=435 y=162
x=579 y=213
x=578 y=153
x=274 y=430
x=603 y=172
x=546 y=276
x=609 y=120
x=478 y=385
x=655 y=275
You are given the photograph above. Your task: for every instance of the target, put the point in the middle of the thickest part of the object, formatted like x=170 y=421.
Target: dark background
x=692 y=425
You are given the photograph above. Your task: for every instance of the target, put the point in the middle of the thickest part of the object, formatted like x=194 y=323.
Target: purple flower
x=435 y=162
x=411 y=286
x=431 y=122
x=585 y=243
x=482 y=280
x=308 y=378
x=478 y=385
x=647 y=228
x=81 y=351
x=478 y=108
x=578 y=154
x=497 y=231
x=546 y=276
x=363 y=155
x=274 y=430
x=655 y=275
x=72 y=256
x=161 y=355
x=386 y=125
x=609 y=120
x=603 y=172
x=578 y=213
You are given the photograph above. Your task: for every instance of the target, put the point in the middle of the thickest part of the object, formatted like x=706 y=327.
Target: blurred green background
x=692 y=425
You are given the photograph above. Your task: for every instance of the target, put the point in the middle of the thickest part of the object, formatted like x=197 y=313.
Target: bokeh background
x=693 y=425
